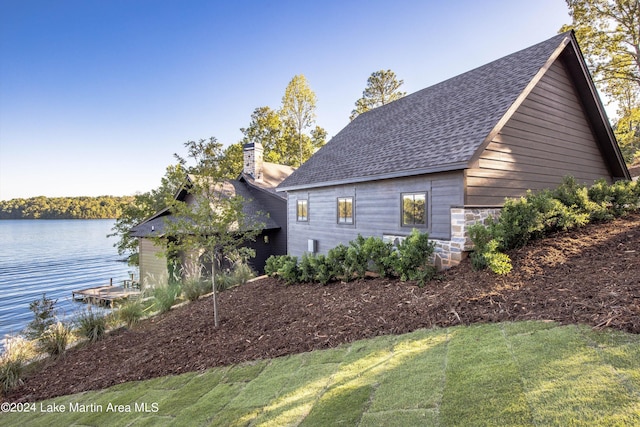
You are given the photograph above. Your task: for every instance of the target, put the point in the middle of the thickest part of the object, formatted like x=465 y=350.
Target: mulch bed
x=588 y=276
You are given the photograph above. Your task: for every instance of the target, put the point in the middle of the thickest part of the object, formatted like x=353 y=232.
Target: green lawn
x=523 y=373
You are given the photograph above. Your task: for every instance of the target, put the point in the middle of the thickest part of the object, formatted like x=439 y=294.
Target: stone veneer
x=449 y=253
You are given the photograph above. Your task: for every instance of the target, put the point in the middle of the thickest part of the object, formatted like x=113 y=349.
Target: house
x=262 y=204
x=447 y=156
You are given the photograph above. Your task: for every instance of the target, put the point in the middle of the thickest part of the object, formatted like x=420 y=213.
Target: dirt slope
x=590 y=276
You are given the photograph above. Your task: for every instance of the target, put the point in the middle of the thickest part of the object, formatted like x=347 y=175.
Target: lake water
x=55 y=257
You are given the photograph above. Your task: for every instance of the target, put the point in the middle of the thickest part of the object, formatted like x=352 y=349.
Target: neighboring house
x=263 y=204
x=447 y=156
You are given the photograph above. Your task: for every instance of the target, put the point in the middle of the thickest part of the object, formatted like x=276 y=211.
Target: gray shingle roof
x=253 y=210
x=435 y=129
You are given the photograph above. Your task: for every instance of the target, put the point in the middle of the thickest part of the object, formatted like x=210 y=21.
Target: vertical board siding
x=153 y=268
x=276 y=207
x=548 y=137
x=377 y=210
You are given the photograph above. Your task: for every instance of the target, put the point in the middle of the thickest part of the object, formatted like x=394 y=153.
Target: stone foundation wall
x=449 y=253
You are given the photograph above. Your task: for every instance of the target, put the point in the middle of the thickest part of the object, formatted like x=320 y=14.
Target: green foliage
x=357 y=260
x=281 y=132
x=41 y=207
x=212 y=224
x=380 y=254
x=165 y=296
x=130 y=312
x=382 y=88
x=289 y=270
x=275 y=264
x=12 y=362
x=568 y=206
x=141 y=207
x=307 y=268
x=520 y=220
x=323 y=271
x=238 y=275
x=336 y=259
x=11 y=373
x=92 y=325
x=480 y=235
x=498 y=262
x=55 y=338
x=617 y=199
x=44 y=313
x=298 y=112
x=609 y=37
x=412 y=259
x=193 y=288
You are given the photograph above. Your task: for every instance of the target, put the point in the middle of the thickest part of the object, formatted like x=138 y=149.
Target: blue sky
x=97 y=95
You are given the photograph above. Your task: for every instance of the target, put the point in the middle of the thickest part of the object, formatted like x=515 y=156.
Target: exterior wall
x=548 y=137
x=276 y=240
x=153 y=268
x=449 y=253
x=377 y=210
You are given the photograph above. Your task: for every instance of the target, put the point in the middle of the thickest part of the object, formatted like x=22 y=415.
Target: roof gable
x=443 y=127
x=251 y=208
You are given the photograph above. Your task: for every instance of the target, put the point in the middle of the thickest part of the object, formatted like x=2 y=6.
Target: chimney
x=253 y=160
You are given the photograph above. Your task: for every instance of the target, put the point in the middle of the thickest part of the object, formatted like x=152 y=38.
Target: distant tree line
x=101 y=207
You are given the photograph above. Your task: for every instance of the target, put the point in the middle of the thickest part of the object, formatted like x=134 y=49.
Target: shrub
x=624 y=197
x=335 y=260
x=289 y=270
x=570 y=205
x=480 y=235
x=379 y=254
x=44 y=312
x=165 y=296
x=11 y=372
x=357 y=258
x=555 y=215
x=242 y=272
x=12 y=362
x=192 y=288
x=307 y=268
x=238 y=275
x=92 y=325
x=412 y=260
x=55 y=338
x=498 y=262
x=519 y=221
x=130 y=312
x=275 y=263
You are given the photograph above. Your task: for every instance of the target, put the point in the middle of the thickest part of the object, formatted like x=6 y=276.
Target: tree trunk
x=216 y=321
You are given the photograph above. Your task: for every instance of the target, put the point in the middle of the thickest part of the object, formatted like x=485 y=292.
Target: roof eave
x=595 y=108
x=449 y=167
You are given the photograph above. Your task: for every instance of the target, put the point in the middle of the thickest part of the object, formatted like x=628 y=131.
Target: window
x=414 y=209
x=302 y=210
x=345 y=210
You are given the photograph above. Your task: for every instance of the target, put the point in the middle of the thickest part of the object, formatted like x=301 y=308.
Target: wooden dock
x=108 y=294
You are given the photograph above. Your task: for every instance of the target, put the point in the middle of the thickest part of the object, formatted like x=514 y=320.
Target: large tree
x=213 y=223
x=609 y=35
x=382 y=88
x=267 y=128
x=281 y=133
x=299 y=109
x=143 y=206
